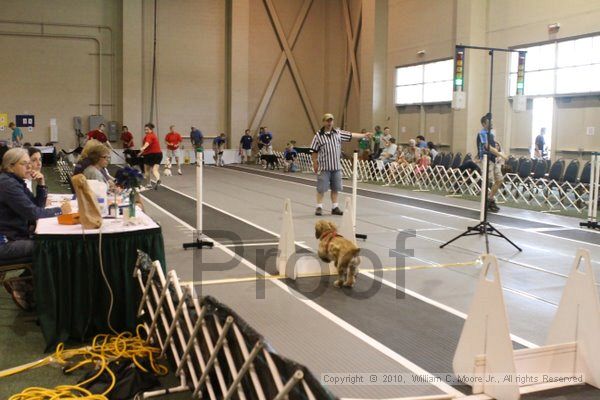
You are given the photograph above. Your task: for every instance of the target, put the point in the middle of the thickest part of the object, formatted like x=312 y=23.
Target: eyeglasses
x=105 y=157
x=23 y=163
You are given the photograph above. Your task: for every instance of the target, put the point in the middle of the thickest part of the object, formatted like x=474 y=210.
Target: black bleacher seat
x=571 y=172
x=539 y=170
x=468 y=157
x=437 y=160
x=524 y=170
x=586 y=173
x=456 y=161
x=556 y=171
x=446 y=160
x=513 y=164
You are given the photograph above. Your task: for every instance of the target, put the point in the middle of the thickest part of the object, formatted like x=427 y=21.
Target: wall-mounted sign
x=25 y=121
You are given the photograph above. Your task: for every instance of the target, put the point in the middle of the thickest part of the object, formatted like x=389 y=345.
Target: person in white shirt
x=389 y=152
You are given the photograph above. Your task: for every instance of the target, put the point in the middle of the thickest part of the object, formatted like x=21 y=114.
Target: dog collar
x=328 y=236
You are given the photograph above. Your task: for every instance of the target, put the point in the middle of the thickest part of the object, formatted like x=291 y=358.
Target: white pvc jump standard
x=199 y=243
x=572 y=348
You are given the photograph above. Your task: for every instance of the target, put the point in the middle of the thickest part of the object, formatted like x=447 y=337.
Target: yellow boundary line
x=271 y=277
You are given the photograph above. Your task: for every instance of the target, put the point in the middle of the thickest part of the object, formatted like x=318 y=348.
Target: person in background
x=377 y=141
x=152 y=156
x=388 y=153
x=421 y=142
x=265 y=139
x=364 y=145
x=487 y=145
x=126 y=138
x=98 y=134
x=35 y=159
x=17 y=135
x=289 y=158
x=246 y=146
x=424 y=161
x=219 y=148
x=540 y=145
x=173 y=140
x=19 y=212
x=385 y=138
x=196 y=137
x=432 y=150
x=326 y=153
x=410 y=154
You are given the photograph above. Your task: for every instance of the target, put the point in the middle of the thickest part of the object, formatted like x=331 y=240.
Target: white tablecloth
x=50 y=226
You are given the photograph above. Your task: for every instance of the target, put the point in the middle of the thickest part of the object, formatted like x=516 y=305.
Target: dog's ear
x=331 y=226
x=320 y=227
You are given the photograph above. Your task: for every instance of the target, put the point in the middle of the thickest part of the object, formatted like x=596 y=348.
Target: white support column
x=484 y=178
x=199 y=190
x=132 y=67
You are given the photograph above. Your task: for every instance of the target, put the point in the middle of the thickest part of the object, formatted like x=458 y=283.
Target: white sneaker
x=179 y=172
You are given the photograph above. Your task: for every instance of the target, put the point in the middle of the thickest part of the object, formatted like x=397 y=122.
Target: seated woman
x=19 y=211
x=98 y=156
x=35 y=159
x=83 y=162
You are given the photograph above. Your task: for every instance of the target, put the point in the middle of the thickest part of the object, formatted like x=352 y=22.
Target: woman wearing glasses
x=19 y=211
x=99 y=157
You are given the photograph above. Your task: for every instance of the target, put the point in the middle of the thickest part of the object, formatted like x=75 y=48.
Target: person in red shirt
x=152 y=155
x=127 y=138
x=173 y=140
x=98 y=134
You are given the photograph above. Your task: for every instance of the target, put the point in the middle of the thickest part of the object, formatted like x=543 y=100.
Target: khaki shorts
x=494 y=172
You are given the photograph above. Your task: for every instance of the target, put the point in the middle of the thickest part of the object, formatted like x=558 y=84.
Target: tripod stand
x=484 y=227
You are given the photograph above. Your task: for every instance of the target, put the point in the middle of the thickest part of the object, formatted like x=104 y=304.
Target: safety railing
x=542 y=193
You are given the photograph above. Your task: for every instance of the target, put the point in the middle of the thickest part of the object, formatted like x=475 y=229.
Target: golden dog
x=343 y=253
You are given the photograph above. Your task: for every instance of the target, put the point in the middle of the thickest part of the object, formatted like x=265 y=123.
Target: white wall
x=437 y=25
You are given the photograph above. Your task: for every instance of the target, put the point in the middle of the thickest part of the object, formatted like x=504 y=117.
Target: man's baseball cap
x=327 y=116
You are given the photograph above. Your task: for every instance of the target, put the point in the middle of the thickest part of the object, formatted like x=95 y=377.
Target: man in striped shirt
x=326 y=149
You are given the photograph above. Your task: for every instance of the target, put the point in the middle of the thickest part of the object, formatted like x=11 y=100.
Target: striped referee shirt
x=328 y=145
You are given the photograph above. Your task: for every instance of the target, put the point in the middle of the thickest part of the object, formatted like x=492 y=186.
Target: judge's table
x=73 y=269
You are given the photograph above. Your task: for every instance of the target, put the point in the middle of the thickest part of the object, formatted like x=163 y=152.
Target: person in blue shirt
x=264 y=141
x=289 y=158
x=246 y=146
x=219 y=148
x=486 y=144
x=197 y=138
x=19 y=211
x=421 y=142
x=17 y=135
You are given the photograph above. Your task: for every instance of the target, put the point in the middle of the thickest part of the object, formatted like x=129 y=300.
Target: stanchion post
x=354 y=195
x=199 y=243
x=484 y=178
x=596 y=184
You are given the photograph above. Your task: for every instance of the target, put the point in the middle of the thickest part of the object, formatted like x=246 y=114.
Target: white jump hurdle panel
x=289 y=263
x=572 y=348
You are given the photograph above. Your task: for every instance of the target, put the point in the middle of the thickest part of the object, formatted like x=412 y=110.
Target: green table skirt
x=72 y=298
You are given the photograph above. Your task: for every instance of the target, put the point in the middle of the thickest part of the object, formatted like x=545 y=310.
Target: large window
x=566 y=67
x=425 y=83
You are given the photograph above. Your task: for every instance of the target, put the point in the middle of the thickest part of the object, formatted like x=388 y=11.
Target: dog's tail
x=351 y=257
